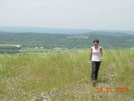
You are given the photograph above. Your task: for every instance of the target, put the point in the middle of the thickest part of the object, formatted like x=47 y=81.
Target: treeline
x=9 y=49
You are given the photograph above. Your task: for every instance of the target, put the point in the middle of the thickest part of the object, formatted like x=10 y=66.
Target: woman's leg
x=97 y=69
x=93 y=74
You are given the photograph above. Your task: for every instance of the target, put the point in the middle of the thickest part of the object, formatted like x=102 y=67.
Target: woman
x=96 y=59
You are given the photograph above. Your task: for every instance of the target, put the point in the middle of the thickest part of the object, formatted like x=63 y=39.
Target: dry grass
x=66 y=76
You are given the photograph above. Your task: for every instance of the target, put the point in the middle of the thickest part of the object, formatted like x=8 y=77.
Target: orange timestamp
x=118 y=90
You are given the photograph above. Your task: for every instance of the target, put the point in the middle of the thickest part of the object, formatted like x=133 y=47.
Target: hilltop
x=66 y=76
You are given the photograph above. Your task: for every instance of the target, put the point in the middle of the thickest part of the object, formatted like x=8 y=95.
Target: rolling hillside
x=69 y=41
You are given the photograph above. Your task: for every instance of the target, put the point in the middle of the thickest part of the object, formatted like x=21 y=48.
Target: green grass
x=66 y=76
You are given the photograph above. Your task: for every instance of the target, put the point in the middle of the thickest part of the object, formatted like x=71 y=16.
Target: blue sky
x=75 y=14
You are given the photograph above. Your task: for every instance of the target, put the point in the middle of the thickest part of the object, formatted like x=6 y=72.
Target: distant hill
x=43 y=30
x=22 y=29
x=108 y=33
x=50 y=41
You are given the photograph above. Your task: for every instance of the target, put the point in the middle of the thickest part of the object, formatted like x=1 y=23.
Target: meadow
x=65 y=76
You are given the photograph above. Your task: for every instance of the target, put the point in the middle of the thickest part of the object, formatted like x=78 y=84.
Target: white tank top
x=96 y=53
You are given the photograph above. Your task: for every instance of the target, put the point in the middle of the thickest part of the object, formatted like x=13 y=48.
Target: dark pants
x=95 y=69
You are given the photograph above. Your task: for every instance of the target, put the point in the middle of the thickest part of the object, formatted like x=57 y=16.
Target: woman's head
x=96 y=42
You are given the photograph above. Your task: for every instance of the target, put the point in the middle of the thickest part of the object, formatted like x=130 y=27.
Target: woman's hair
x=96 y=40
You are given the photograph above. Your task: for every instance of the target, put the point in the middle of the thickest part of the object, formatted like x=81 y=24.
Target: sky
x=74 y=14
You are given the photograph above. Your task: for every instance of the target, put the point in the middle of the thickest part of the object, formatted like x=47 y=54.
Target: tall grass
x=66 y=76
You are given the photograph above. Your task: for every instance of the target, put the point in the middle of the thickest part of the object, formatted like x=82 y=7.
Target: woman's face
x=96 y=44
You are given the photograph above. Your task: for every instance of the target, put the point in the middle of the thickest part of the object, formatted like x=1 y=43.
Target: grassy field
x=65 y=76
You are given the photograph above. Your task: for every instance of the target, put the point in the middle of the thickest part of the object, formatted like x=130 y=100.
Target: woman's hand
x=101 y=60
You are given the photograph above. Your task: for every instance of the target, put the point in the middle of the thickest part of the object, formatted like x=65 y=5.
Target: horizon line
x=69 y=28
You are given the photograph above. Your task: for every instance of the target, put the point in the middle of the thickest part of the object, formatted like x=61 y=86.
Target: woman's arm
x=91 y=54
x=101 y=53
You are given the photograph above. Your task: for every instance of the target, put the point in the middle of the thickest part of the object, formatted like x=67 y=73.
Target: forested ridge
x=49 y=41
